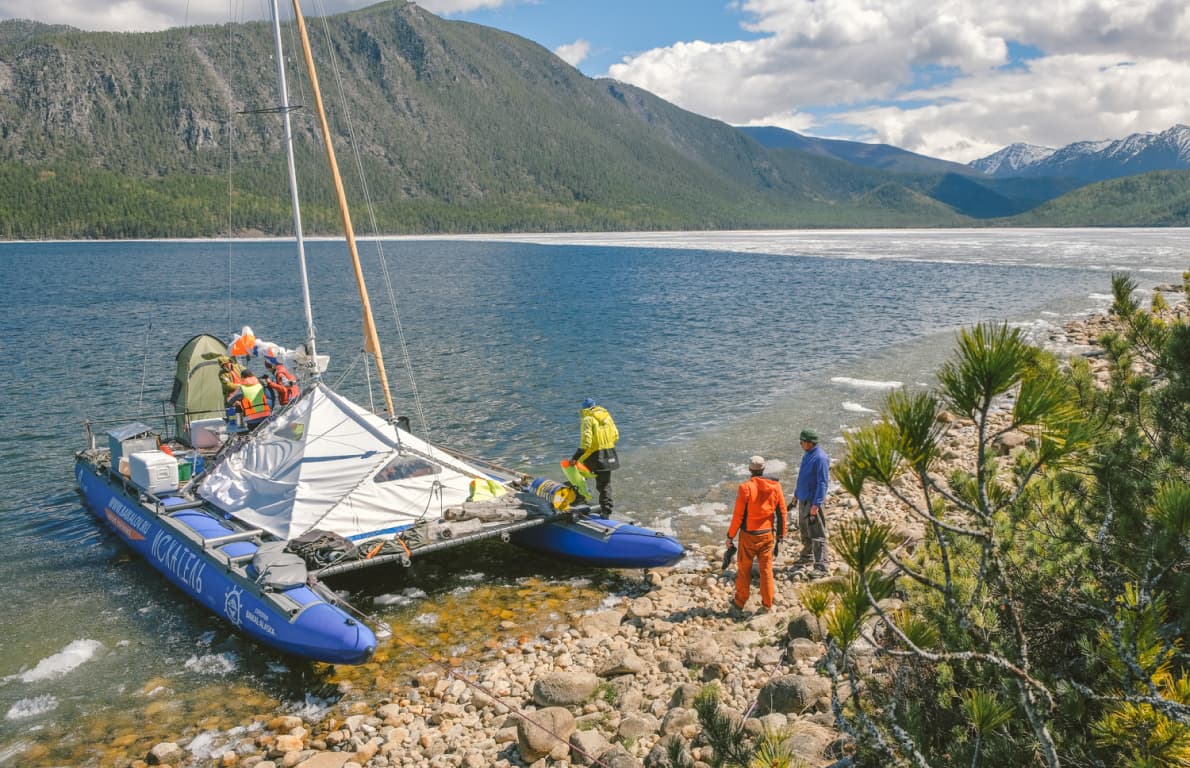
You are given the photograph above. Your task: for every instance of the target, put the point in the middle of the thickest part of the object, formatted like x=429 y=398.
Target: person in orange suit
x=759 y=519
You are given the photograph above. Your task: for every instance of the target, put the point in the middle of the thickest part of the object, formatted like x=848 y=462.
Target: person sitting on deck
x=282 y=385
x=230 y=373
x=249 y=400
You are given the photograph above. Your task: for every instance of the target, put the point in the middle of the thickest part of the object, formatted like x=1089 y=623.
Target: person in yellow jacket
x=597 y=449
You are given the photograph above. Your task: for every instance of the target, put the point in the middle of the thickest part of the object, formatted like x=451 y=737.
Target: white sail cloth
x=326 y=463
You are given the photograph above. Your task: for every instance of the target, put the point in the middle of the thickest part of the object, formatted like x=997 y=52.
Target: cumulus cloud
x=863 y=63
x=933 y=77
x=573 y=53
x=450 y=7
x=152 y=15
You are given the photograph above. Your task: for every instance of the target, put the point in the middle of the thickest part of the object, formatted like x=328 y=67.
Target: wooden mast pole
x=371 y=340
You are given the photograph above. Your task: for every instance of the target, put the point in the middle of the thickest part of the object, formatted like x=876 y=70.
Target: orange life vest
x=253 y=404
x=285 y=386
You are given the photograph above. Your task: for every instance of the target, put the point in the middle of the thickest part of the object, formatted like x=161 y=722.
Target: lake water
x=707 y=348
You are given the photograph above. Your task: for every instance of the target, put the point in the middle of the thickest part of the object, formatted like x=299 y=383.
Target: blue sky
x=619 y=29
x=956 y=79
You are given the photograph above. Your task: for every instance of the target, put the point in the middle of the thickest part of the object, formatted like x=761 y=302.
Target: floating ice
x=703 y=509
x=221 y=664
x=847 y=381
x=32 y=707
x=73 y=655
x=403 y=598
x=208 y=744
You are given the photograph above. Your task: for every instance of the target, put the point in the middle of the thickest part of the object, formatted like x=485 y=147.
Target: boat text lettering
x=127 y=522
x=260 y=619
x=180 y=560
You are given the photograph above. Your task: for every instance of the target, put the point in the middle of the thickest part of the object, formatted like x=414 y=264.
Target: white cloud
x=573 y=53
x=859 y=62
x=152 y=15
x=450 y=7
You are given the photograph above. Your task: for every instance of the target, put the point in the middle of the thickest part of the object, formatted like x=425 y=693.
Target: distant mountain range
x=1083 y=161
x=462 y=128
x=1093 y=160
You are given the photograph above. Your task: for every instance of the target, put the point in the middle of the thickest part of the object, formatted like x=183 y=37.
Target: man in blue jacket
x=812 y=480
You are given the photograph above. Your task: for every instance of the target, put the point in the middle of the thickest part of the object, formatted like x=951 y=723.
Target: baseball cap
x=756 y=462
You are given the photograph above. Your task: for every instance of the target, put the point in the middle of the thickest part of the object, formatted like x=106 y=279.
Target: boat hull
x=305 y=626
x=601 y=543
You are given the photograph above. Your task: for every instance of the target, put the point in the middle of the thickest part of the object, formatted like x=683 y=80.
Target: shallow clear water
x=706 y=348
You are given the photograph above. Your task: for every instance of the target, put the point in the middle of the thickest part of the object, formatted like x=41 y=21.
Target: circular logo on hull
x=232 y=604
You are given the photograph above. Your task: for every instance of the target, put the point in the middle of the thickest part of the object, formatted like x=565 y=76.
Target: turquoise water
x=706 y=348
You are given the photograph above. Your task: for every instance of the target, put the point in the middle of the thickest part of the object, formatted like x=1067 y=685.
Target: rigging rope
x=144 y=366
x=375 y=227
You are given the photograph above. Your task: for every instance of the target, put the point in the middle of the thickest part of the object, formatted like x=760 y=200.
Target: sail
x=325 y=463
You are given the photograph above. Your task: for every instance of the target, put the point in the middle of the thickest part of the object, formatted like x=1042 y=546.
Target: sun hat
x=756 y=462
x=589 y=402
x=809 y=435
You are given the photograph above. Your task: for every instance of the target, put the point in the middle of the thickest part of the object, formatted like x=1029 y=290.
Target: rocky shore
x=604 y=687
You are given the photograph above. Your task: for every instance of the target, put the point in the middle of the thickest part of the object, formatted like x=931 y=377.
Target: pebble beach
x=602 y=678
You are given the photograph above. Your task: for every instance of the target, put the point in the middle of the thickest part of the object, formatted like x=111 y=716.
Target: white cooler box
x=207 y=433
x=153 y=471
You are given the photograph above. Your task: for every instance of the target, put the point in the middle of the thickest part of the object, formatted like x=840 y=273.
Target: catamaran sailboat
x=250 y=522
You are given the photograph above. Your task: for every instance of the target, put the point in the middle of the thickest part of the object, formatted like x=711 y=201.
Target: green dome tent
x=197 y=392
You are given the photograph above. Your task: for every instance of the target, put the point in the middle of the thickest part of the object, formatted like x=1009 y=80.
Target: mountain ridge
x=1094 y=160
x=468 y=129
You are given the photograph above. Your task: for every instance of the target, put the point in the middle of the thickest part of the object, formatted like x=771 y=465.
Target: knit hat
x=809 y=435
x=756 y=462
x=589 y=402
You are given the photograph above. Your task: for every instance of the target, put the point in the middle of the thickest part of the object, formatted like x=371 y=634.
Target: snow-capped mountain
x=1094 y=160
x=1010 y=160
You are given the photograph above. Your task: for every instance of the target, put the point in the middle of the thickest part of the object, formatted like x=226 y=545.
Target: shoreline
x=616 y=680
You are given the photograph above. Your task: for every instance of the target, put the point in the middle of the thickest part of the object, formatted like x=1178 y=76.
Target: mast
x=293 y=191
x=371 y=340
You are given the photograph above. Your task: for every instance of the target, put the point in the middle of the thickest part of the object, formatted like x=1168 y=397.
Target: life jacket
x=253 y=404
x=286 y=385
x=598 y=431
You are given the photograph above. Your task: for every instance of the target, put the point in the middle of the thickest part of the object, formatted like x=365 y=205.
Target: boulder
x=325 y=760
x=560 y=689
x=599 y=624
x=547 y=736
x=676 y=719
x=618 y=757
x=637 y=724
x=702 y=652
x=627 y=663
x=805 y=625
x=791 y=694
x=809 y=740
x=165 y=753
x=683 y=695
x=586 y=746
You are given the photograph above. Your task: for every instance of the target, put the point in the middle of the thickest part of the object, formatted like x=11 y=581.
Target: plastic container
x=207 y=433
x=154 y=471
x=129 y=439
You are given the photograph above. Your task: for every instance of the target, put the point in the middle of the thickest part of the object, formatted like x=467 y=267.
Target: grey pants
x=813 y=535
